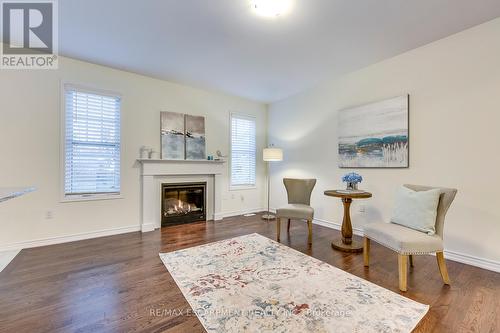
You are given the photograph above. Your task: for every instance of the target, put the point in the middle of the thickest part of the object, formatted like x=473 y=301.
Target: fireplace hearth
x=183 y=203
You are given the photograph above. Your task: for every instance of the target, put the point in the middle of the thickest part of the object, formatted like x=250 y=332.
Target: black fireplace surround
x=183 y=203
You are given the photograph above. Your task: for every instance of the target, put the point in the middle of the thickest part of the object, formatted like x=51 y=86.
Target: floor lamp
x=270 y=155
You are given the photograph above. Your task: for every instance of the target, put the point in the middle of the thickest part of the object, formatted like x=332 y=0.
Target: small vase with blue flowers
x=352 y=179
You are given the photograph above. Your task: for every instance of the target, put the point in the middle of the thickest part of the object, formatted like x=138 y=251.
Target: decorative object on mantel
x=352 y=179
x=253 y=284
x=375 y=135
x=270 y=154
x=182 y=136
x=145 y=152
x=154 y=155
x=7 y=193
x=346 y=243
x=220 y=156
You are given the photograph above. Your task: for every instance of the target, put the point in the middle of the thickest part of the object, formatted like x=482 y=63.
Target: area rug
x=253 y=284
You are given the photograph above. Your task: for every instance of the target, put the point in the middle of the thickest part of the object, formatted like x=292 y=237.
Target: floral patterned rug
x=253 y=284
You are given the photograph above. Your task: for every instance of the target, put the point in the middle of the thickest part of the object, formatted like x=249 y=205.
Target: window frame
x=87 y=196
x=240 y=187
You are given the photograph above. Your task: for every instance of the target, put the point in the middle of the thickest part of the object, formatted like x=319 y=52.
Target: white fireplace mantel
x=156 y=172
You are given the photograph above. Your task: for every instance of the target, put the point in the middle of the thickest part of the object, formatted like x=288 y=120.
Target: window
x=243 y=150
x=91 y=144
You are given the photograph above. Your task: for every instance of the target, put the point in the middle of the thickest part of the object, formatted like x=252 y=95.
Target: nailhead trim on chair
x=403 y=252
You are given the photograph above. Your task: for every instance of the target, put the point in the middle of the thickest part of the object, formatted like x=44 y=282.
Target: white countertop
x=7 y=193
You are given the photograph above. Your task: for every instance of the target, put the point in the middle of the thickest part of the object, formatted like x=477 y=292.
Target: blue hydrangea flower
x=352 y=178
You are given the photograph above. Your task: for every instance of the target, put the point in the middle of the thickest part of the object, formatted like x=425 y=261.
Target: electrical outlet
x=361 y=208
x=49 y=215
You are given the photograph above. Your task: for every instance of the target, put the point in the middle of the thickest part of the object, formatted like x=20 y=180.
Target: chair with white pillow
x=416 y=228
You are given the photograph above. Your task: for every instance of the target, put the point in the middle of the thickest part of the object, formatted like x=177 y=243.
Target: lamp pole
x=269 y=155
x=268 y=216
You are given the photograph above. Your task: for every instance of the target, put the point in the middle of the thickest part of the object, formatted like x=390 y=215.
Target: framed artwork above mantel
x=375 y=135
x=172 y=136
x=182 y=136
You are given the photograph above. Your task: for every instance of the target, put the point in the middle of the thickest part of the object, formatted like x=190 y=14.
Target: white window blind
x=243 y=150
x=92 y=143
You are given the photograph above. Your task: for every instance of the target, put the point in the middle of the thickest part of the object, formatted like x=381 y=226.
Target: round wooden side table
x=346 y=243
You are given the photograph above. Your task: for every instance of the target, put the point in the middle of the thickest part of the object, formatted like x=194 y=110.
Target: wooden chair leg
x=402 y=268
x=366 y=251
x=411 y=260
x=442 y=267
x=310 y=227
x=278 y=228
x=288 y=226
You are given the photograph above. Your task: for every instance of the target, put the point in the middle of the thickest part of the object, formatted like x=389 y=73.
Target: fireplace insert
x=183 y=203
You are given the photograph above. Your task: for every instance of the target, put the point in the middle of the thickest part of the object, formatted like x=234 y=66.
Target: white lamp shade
x=272 y=154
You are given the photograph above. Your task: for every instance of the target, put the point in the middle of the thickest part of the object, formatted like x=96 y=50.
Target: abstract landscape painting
x=195 y=137
x=375 y=135
x=172 y=136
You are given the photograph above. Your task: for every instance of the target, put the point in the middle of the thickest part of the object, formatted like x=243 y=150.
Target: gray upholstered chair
x=408 y=242
x=298 y=208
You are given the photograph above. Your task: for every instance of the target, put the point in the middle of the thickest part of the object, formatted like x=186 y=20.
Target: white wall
x=454 y=87
x=30 y=107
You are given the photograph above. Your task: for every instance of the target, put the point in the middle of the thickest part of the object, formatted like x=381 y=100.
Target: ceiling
x=222 y=45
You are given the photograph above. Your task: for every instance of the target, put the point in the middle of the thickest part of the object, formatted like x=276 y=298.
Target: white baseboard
x=467 y=259
x=463 y=258
x=215 y=217
x=243 y=212
x=106 y=232
x=147 y=227
x=69 y=238
x=337 y=226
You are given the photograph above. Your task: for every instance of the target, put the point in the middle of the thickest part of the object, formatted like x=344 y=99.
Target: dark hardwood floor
x=119 y=284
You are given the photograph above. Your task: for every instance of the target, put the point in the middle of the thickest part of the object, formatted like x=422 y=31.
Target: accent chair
x=298 y=208
x=409 y=242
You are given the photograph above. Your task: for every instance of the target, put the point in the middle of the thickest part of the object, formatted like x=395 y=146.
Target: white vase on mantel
x=145 y=152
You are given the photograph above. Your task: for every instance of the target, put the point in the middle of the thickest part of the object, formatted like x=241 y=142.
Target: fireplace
x=183 y=203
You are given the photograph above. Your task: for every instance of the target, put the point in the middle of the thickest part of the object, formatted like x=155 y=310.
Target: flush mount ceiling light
x=271 y=8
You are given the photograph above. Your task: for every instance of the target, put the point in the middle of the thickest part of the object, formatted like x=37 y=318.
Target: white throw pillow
x=416 y=209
